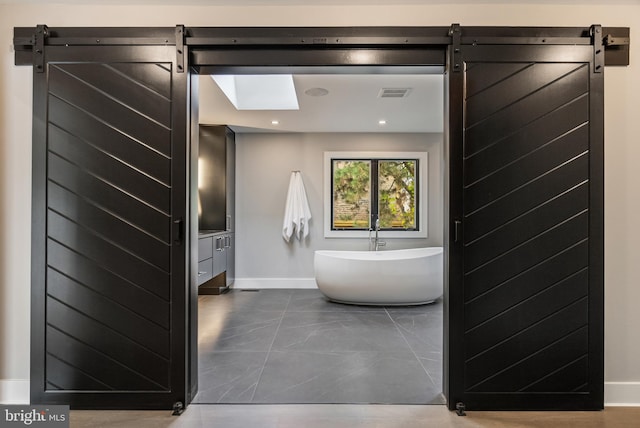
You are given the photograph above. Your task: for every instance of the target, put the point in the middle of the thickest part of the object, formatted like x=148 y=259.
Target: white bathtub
x=395 y=277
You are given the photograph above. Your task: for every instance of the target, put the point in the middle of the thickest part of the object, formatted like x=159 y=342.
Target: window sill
x=418 y=234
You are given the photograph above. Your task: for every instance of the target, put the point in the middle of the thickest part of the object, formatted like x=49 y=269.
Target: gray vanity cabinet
x=216 y=270
x=230 y=255
x=219 y=255
x=205 y=260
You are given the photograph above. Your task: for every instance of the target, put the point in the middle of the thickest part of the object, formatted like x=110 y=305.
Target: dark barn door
x=108 y=254
x=527 y=227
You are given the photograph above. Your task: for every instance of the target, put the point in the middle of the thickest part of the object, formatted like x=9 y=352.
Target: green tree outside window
x=355 y=193
x=397 y=194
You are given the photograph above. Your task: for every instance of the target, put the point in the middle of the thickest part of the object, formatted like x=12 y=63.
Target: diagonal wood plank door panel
x=499 y=117
x=526 y=215
x=133 y=348
x=112 y=302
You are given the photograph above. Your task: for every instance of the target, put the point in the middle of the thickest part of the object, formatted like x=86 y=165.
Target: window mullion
x=375 y=181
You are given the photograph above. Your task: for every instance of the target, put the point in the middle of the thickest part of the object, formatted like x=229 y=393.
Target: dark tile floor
x=294 y=346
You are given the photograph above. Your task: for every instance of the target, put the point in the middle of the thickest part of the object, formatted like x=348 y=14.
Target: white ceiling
x=352 y=105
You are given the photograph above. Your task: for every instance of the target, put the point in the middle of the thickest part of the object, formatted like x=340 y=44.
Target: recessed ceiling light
x=275 y=122
x=316 y=92
x=382 y=122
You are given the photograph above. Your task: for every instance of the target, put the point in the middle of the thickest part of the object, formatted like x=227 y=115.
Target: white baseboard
x=14 y=391
x=622 y=394
x=261 y=283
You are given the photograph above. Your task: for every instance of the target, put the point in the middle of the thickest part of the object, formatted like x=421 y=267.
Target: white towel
x=296 y=212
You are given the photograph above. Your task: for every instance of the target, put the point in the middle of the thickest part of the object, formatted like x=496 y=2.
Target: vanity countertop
x=207 y=233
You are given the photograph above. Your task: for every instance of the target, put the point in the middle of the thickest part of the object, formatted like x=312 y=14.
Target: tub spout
x=377 y=243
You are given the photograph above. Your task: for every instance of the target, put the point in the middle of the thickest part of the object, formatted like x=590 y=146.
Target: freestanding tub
x=395 y=277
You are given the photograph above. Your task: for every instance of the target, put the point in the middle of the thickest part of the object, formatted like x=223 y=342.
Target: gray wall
x=263 y=166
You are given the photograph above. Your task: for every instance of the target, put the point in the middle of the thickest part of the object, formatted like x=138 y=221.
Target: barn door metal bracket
x=41 y=34
x=455 y=32
x=598 y=49
x=180 y=37
x=616 y=41
x=611 y=40
x=460 y=409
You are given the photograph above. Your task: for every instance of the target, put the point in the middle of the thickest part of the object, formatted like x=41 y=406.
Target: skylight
x=259 y=92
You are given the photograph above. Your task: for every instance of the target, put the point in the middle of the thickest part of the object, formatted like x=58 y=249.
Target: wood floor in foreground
x=352 y=416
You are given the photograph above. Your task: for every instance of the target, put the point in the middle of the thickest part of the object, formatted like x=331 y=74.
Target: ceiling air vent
x=394 y=92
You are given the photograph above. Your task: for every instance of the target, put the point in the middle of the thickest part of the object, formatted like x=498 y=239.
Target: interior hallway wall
x=263 y=166
x=622 y=128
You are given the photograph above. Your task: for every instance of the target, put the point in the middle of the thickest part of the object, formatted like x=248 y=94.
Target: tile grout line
x=270 y=347
x=412 y=350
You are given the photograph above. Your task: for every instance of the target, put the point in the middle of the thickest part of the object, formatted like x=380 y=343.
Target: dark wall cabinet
x=216 y=178
x=216 y=208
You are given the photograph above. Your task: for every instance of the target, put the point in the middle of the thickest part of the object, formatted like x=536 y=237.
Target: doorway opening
x=274 y=337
